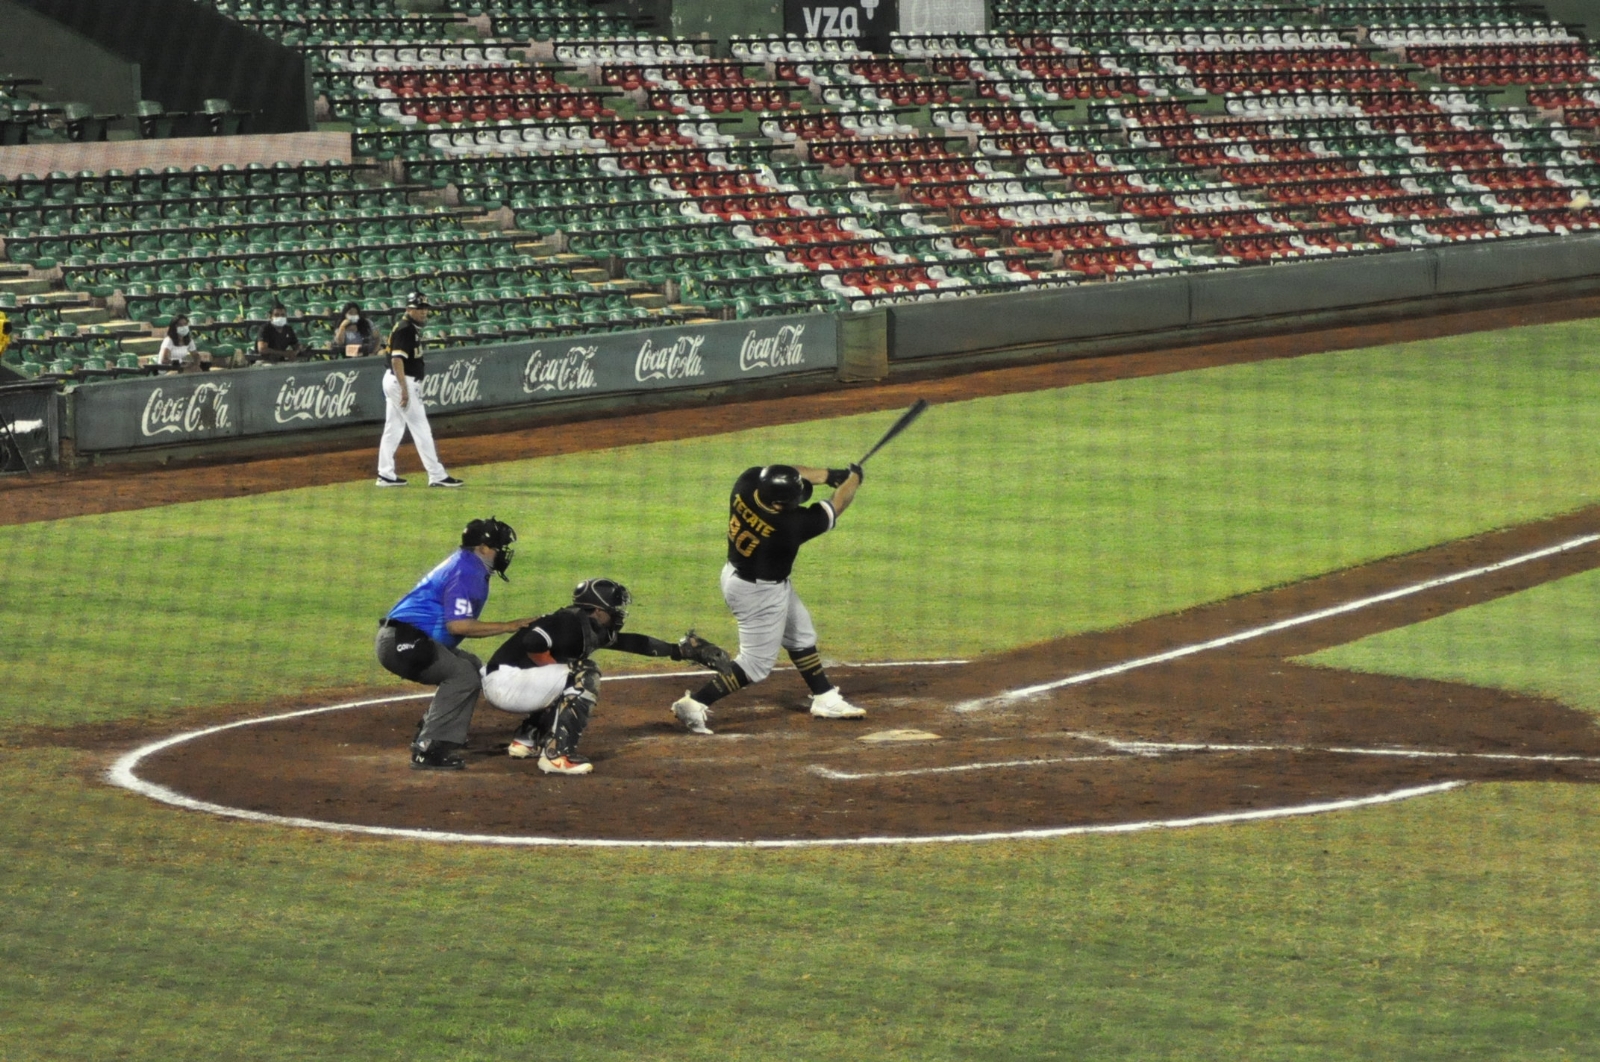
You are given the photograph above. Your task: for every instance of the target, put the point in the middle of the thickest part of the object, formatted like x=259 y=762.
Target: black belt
x=403 y=628
x=753 y=579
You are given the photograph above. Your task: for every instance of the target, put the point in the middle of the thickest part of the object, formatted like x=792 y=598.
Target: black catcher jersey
x=567 y=635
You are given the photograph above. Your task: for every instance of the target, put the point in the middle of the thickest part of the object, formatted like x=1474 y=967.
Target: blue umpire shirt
x=457 y=588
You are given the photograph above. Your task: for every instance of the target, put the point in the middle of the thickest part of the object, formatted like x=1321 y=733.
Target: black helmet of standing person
x=782 y=487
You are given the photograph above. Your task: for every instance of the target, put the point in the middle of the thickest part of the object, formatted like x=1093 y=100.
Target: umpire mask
x=497 y=536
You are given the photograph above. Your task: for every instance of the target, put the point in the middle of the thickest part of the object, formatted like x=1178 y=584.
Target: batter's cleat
x=832 y=705
x=571 y=763
x=390 y=481
x=448 y=481
x=692 y=714
x=521 y=750
x=438 y=756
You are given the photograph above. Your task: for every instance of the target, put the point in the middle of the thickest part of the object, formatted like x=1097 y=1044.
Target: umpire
x=419 y=637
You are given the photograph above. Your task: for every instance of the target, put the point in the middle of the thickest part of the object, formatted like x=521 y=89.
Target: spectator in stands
x=178 y=349
x=277 y=341
x=353 y=335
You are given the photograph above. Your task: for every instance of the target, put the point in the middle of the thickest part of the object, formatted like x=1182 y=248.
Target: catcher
x=544 y=671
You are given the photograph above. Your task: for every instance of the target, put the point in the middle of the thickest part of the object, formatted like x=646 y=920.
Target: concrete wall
x=185 y=152
x=217 y=57
x=72 y=67
x=1158 y=304
x=721 y=19
x=1585 y=13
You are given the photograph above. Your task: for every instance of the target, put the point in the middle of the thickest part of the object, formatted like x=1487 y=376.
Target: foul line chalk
x=1131 y=749
x=1146 y=748
x=1272 y=628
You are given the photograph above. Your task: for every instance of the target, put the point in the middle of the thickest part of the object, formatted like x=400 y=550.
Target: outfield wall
x=684 y=365
x=169 y=410
x=1252 y=293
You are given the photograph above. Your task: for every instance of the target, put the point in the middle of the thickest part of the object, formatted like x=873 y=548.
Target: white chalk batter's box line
x=122 y=773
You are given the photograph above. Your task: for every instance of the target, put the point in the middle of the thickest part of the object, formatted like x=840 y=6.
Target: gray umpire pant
x=455 y=672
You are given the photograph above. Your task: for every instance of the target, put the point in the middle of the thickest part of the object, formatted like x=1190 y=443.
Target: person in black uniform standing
x=544 y=671
x=404 y=408
x=768 y=522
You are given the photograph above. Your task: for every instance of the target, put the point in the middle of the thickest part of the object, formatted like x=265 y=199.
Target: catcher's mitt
x=693 y=647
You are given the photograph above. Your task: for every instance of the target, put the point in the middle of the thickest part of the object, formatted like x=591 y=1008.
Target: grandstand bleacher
x=543 y=168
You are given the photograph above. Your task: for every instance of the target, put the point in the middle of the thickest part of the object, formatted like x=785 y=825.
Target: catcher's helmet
x=782 y=487
x=606 y=594
x=497 y=536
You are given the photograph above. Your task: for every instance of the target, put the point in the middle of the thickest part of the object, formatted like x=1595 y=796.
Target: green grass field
x=1461 y=926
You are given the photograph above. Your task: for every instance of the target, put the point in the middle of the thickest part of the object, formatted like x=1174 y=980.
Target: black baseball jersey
x=568 y=635
x=762 y=543
x=405 y=342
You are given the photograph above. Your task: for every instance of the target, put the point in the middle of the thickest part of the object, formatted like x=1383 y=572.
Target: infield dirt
x=773 y=772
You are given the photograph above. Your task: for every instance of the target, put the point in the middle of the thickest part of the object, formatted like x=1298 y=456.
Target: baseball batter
x=544 y=671
x=420 y=637
x=768 y=522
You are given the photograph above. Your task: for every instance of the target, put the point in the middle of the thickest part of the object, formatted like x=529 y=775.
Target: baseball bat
x=897 y=427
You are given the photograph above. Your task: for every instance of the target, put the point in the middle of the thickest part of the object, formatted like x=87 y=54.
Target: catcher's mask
x=781 y=487
x=605 y=594
x=497 y=536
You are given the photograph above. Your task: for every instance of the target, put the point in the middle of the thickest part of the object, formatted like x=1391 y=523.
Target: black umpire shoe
x=438 y=756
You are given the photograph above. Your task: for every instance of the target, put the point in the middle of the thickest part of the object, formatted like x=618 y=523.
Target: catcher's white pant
x=525 y=689
x=771 y=617
x=396 y=421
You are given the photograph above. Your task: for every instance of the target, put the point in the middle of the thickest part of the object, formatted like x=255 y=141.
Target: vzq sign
x=867 y=22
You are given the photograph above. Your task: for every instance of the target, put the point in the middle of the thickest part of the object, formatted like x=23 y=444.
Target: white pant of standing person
x=397 y=419
x=771 y=617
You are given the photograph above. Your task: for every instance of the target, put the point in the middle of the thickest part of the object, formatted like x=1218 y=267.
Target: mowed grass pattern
x=1464 y=926
x=1541 y=641
x=992 y=523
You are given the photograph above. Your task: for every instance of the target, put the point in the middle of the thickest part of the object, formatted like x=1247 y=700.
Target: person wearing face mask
x=178 y=349
x=277 y=341
x=353 y=335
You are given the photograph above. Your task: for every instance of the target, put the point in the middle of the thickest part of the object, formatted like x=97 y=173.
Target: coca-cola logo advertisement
x=562 y=373
x=339 y=395
x=205 y=409
x=457 y=385
x=678 y=360
x=331 y=398
x=784 y=349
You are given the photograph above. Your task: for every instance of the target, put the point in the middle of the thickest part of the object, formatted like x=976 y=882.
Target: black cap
x=417 y=301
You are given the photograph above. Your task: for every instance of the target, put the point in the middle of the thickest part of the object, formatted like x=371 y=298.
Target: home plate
x=883 y=737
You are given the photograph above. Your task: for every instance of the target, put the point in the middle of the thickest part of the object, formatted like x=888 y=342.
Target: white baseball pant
x=397 y=420
x=525 y=689
x=771 y=617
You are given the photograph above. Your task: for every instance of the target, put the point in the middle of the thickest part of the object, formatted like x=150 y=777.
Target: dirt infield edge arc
x=1244 y=734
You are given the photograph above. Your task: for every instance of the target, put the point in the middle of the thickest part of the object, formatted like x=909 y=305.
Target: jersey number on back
x=744 y=540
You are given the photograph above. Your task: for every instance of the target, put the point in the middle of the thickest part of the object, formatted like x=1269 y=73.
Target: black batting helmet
x=497 y=536
x=605 y=594
x=782 y=487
